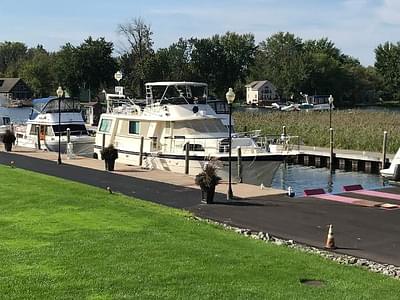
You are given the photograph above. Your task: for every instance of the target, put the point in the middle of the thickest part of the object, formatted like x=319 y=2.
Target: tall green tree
x=90 y=65
x=282 y=60
x=388 y=66
x=37 y=71
x=12 y=54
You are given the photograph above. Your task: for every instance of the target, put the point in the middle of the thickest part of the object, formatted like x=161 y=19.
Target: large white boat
x=43 y=127
x=176 y=117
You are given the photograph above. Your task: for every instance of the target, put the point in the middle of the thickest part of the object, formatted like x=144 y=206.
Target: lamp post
x=60 y=94
x=330 y=99
x=230 y=97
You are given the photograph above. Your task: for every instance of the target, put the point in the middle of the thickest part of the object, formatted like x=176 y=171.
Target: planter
x=109 y=164
x=207 y=195
x=8 y=146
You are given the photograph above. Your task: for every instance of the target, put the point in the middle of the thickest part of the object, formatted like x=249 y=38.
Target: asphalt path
x=367 y=232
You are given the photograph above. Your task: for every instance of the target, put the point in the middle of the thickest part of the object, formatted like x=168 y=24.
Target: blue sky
x=355 y=26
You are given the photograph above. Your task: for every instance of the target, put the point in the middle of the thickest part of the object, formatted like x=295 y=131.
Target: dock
x=348 y=160
x=240 y=190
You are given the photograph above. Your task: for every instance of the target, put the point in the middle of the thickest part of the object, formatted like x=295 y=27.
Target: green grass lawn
x=60 y=239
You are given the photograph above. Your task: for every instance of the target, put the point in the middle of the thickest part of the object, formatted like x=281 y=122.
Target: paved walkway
x=364 y=232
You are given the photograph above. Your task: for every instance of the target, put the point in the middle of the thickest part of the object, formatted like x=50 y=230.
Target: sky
x=357 y=27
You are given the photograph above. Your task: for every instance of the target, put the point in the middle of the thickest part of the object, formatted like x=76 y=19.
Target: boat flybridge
x=177 y=118
x=43 y=127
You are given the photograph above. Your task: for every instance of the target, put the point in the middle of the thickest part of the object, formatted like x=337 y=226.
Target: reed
x=353 y=129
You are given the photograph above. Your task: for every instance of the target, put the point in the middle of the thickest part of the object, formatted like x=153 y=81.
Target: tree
x=139 y=53
x=388 y=66
x=38 y=73
x=282 y=60
x=11 y=56
x=89 y=65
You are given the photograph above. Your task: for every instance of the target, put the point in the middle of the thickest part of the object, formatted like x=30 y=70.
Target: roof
x=168 y=83
x=7 y=84
x=256 y=85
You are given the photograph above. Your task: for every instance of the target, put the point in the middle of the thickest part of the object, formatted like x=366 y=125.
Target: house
x=261 y=93
x=13 y=89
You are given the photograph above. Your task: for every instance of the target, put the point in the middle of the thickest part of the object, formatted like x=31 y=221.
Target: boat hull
x=255 y=169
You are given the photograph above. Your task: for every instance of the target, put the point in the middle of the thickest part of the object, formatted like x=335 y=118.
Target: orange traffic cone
x=330 y=241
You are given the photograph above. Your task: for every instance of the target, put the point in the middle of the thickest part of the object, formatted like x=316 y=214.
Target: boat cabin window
x=219 y=107
x=6 y=120
x=196 y=126
x=134 y=127
x=75 y=129
x=105 y=125
x=194 y=147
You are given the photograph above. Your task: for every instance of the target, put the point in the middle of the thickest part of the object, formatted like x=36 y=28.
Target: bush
x=109 y=153
x=208 y=179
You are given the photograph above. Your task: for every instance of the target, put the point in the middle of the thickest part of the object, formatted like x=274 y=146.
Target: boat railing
x=278 y=143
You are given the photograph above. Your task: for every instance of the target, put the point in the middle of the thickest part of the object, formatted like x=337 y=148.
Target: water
x=301 y=178
x=17 y=115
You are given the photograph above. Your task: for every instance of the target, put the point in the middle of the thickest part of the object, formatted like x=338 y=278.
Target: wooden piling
x=141 y=151
x=38 y=137
x=239 y=164
x=187 y=158
x=68 y=135
x=103 y=143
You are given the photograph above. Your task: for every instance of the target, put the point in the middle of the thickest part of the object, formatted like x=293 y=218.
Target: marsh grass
x=353 y=129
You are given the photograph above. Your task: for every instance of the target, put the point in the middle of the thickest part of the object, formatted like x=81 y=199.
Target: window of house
x=105 y=125
x=134 y=127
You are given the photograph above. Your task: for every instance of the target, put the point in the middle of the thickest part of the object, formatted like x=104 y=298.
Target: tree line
x=293 y=65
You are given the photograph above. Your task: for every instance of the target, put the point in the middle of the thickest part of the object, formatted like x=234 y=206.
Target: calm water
x=301 y=178
x=17 y=115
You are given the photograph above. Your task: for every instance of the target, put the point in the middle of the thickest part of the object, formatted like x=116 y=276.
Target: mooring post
x=38 y=136
x=384 y=149
x=331 y=157
x=187 y=158
x=239 y=164
x=68 y=135
x=284 y=131
x=103 y=143
x=141 y=151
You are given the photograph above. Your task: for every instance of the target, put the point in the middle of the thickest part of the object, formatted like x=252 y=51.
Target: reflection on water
x=301 y=178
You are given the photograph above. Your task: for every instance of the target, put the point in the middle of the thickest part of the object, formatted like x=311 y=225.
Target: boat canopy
x=50 y=105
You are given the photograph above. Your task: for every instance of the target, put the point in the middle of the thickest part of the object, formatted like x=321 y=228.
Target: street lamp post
x=60 y=94
x=330 y=110
x=230 y=97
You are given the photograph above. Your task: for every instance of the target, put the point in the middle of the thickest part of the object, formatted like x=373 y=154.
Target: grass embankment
x=60 y=240
x=354 y=129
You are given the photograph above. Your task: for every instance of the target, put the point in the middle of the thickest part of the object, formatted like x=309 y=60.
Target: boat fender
x=290 y=192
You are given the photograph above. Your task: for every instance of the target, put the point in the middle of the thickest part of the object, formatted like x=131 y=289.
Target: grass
x=354 y=129
x=65 y=240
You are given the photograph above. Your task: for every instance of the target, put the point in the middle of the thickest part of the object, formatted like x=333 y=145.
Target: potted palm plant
x=8 y=140
x=109 y=154
x=207 y=180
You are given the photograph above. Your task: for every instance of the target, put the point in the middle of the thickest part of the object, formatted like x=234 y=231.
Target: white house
x=261 y=92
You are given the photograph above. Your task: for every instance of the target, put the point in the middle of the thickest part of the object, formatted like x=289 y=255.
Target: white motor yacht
x=177 y=118
x=50 y=117
x=5 y=124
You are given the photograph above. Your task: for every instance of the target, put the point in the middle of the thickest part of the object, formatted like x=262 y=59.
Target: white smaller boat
x=393 y=172
x=49 y=118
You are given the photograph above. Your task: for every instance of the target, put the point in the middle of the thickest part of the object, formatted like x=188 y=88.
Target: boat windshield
x=180 y=94
x=75 y=129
